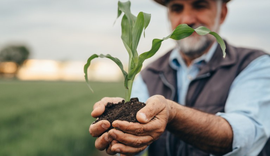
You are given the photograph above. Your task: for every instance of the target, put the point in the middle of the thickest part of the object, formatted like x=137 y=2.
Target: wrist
x=171 y=111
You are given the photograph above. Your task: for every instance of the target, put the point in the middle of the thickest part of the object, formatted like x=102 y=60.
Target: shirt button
x=190 y=77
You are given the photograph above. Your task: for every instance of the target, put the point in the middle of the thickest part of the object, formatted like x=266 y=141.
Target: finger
x=99 y=107
x=108 y=150
x=154 y=105
x=126 y=150
x=98 y=128
x=129 y=139
x=103 y=141
x=155 y=126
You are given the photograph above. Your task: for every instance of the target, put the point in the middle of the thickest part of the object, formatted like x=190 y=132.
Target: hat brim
x=163 y=2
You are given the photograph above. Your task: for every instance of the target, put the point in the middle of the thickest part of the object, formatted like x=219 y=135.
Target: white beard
x=194 y=45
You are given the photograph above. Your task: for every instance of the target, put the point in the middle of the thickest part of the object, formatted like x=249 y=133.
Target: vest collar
x=217 y=61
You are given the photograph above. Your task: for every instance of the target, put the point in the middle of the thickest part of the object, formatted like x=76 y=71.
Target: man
x=197 y=103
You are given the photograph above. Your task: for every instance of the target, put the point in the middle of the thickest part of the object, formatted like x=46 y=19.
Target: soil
x=125 y=111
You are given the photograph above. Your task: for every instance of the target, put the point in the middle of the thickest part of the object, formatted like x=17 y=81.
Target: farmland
x=40 y=118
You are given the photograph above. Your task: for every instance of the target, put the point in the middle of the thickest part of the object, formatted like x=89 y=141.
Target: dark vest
x=208 y=92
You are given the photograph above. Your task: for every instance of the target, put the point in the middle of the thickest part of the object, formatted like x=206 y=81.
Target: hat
x=163 y=2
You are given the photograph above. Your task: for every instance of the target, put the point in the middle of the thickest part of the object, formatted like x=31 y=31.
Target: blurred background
x=45 y=104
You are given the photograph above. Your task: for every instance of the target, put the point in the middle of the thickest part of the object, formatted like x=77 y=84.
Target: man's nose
x=188 y=18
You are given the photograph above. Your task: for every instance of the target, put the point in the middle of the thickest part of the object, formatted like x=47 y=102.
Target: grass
x=49 y=118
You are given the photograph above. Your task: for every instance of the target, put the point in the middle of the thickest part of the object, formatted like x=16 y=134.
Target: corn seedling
x=132 y=28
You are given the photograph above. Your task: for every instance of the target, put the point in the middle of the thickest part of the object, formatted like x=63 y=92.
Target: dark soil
x=122 y=111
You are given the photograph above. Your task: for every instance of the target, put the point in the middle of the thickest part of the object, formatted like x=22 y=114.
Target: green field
x=49 y=118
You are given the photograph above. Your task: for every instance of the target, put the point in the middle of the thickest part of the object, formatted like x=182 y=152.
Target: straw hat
x=163 y=2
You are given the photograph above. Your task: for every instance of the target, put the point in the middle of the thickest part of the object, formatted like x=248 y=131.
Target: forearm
x=207 y=132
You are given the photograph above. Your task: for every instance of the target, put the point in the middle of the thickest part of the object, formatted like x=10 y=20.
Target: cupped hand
x=99 y=129
x=131 y=137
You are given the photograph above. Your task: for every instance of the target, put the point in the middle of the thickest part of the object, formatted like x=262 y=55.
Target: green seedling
x=132 y=29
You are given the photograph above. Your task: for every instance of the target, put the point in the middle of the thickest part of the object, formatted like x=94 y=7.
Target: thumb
x=141 y=117
x=152 y=108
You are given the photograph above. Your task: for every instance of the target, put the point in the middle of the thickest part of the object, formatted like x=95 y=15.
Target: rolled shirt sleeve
x=247 y=108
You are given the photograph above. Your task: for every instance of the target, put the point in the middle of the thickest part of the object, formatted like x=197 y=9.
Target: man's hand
x=103 y=140
x=208 y=132
x=131 y=137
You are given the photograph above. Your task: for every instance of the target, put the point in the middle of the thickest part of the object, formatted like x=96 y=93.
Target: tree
x=14 y=53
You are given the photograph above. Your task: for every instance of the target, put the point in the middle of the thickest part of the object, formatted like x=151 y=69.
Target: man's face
x=195 y=13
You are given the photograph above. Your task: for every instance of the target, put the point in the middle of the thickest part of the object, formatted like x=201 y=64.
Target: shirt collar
x=176 y=59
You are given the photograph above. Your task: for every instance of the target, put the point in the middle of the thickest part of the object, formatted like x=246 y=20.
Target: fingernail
x=117 y=150
x=117 y=125
x=104 y=126
x=113 y=135
x=107 y=138
x=143 y=116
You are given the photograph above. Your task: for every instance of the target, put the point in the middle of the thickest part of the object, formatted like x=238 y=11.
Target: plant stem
x=128 y=91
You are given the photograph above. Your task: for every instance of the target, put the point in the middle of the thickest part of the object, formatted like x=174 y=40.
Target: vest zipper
x=167 y=83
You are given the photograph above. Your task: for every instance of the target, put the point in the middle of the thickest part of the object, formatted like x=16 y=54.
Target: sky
x=73 y=30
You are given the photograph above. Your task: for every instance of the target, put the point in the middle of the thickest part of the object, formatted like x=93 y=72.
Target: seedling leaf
x=204 y=31
x=181 y=31
x=114 y=59
x=132 y=29
x=221 y=42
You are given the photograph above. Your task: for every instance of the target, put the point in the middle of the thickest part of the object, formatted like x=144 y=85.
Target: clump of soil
x=122 y=111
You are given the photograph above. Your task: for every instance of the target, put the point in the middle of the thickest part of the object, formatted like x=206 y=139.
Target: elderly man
x=197 y=103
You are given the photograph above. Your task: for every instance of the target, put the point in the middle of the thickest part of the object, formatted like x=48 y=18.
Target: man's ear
x=224 y=11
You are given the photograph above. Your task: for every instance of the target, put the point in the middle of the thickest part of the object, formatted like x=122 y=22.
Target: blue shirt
x=247 y=107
